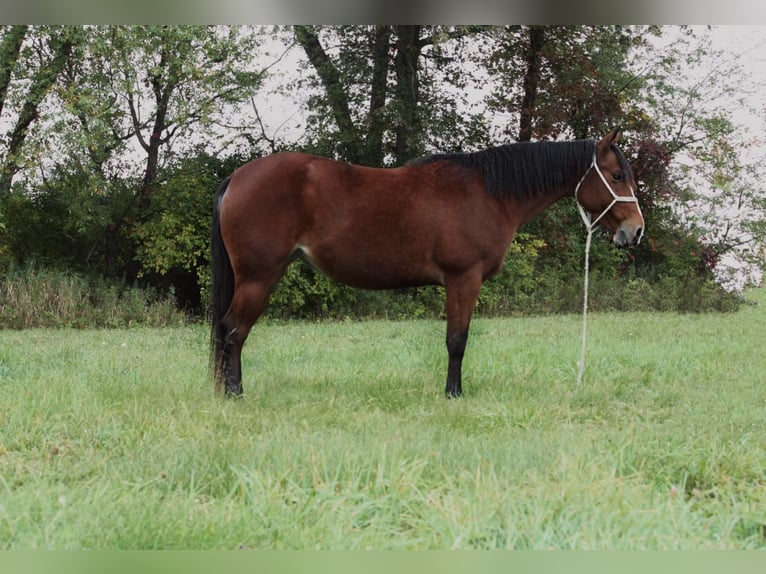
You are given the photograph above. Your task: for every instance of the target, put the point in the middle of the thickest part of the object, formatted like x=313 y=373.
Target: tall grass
x=47 y=297
x=36 y=297
x=113 y=439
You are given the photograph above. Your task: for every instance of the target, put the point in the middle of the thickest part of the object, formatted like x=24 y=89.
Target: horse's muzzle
x=628 y=235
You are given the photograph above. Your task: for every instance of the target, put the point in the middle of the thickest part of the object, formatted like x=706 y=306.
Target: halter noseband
x=586 y=217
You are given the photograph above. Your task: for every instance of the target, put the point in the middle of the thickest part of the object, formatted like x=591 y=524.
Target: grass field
x=113 y=439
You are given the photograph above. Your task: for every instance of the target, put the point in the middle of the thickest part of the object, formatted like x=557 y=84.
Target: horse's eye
x=617 y=176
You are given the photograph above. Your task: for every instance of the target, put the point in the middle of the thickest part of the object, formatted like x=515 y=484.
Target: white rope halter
x=590 y=224
x=586 y=217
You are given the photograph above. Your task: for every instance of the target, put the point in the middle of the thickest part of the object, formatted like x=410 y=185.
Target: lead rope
x=581 y=362
x=590 y=224
x=586 y=217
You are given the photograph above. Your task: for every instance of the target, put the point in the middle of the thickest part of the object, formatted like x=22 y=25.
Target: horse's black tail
x=222 y=289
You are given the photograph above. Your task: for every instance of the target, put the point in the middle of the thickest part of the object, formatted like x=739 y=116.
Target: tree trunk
x=408 y=128
x=381 y=43
x=10 y=47
x=351 y=141
x=532 y=59
x=61 y=49
x=153 y=148
x=164 y=81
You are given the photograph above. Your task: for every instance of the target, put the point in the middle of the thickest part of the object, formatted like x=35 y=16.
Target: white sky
x=748 y=43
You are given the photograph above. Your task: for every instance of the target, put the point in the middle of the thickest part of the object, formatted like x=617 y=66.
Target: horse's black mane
x=523 y=170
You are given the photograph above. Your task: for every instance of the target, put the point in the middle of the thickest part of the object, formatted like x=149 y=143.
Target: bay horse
x=444 y=219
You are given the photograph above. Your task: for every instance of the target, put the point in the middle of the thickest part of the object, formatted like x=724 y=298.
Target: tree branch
x=42 y=82
x=137 y=126
x=272 y=143
x=336 y=94
x=456 y=34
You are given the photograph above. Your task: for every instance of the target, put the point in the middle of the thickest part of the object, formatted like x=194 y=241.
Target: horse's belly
x=371 y=269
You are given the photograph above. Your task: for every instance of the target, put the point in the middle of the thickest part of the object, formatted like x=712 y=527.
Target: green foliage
x=512 y=288
x=192 y=71
x=525 y=286
x=304 y=293
x=173 y=234
x=63 y=221
x=28 y=232
x=584 y=83
x=123 y=89
x=30 y=66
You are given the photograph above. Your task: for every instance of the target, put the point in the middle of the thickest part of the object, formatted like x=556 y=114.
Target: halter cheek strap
x=589 y=222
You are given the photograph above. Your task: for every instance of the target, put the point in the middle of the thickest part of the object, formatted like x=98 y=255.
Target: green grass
x=113 y=439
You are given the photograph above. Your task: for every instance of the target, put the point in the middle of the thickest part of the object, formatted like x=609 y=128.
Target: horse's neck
x=525 y=210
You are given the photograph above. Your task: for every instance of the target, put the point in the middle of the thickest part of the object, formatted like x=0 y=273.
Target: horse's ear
x=609 y=140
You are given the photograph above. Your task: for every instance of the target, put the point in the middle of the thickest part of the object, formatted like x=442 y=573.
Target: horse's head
x=606 y=194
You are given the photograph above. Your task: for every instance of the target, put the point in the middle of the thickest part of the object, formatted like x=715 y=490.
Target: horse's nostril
x=638 y=236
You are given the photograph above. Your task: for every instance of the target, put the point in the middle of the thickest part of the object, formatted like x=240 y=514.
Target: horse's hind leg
x=247 y=305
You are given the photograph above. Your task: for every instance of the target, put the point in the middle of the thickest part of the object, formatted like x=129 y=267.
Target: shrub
x=33 y=297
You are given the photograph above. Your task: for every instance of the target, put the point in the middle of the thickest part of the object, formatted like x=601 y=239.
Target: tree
x=711 y=170
x=34 y=57
x=157 y=90
x=350 y=140
x=565 y=81
x=110 y=107
x=673 y=100
x=532 y=60
x=384 y=102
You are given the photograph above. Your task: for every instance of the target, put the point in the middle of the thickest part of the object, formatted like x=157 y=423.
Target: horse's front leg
x=462 y=292
x=232 y=364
